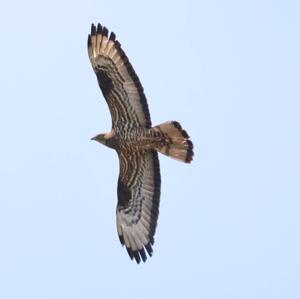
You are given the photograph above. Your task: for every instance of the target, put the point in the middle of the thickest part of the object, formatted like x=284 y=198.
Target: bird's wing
x=117 y=79
x=138 y=202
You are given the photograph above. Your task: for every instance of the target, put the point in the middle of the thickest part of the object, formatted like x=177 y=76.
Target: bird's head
x=107 y=139
x=100 y=138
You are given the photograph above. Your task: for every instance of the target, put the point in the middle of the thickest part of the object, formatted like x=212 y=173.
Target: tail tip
x=178 y=126
x=189 y=151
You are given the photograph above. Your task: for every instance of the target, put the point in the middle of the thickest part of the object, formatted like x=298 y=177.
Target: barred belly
x=139 y=139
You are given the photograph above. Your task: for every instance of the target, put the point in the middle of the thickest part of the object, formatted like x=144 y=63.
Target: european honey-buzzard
x=135 y=141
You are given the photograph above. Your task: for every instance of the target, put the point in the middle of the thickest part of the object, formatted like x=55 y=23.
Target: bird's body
x=135 y=141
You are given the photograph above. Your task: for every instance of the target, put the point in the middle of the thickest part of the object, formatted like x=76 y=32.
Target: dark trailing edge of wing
x=104 y=31
x=156 y=197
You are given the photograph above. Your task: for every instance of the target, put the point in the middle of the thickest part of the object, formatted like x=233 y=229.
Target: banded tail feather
x=176 y=141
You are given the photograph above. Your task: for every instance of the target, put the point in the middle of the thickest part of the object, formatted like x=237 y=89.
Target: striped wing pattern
x=138 y=202
x=117 y=79
x=139 y=178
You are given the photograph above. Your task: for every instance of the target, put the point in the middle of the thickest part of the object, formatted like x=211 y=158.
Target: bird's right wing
x=138 y=202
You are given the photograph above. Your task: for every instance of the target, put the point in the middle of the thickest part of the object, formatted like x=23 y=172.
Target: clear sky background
x=229 y=223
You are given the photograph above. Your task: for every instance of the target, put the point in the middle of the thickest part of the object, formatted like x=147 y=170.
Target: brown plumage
x=135 y=141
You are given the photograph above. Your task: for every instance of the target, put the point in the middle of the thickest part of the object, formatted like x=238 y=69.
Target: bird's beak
x=94 y=138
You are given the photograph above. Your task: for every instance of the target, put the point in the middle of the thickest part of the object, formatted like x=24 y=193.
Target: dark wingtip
x=93 y=29
x=137 y=256
x=130 y=253
x=140 y=254
x=143 y=254
x=99 y=28
x=102 y=30
x=105 y=31
x=117 y=45
x=121 y=238
x=112 y=36
x=89 y=41
x=149 y=249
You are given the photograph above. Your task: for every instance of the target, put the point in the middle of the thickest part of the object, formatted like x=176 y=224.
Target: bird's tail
x=176 y=142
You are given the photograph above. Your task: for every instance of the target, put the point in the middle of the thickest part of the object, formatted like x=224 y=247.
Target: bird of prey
x=135 y=141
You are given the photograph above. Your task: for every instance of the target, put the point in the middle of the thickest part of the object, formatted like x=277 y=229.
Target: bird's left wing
x=117 y=79
x=138 y=202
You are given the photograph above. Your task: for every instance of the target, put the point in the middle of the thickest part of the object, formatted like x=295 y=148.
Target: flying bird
x=135 y=141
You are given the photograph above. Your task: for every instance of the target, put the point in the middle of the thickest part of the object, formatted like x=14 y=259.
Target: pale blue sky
x=229 y=223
